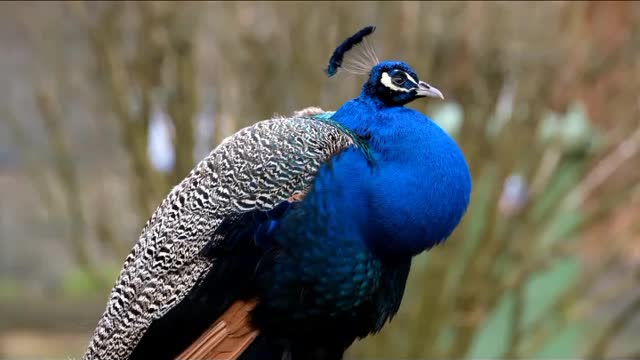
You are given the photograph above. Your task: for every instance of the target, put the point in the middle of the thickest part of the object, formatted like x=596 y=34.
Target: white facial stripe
x=411 y=79
x=386 y=81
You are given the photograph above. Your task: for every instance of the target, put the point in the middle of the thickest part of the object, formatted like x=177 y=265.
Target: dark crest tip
x=338 y=54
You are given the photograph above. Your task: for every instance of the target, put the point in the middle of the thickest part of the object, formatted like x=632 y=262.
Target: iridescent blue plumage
x=315 y=217
x=347 y=248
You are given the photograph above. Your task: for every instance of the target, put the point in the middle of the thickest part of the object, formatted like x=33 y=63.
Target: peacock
x=294 y=236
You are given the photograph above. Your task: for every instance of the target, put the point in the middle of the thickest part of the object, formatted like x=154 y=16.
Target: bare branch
x=603 y=170
x=67 y=175
x=601 y=344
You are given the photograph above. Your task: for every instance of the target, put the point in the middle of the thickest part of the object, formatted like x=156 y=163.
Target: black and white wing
x=255 y=169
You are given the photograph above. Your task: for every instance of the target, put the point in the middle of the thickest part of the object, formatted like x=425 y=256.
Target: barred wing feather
x=257 y=168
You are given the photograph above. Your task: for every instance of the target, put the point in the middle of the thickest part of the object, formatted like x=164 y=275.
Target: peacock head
x=392 y=83
x=395 y=83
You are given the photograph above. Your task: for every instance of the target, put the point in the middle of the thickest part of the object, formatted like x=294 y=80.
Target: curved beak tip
x=425 y=89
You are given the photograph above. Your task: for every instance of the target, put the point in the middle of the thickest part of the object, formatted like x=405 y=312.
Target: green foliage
x=541 y=291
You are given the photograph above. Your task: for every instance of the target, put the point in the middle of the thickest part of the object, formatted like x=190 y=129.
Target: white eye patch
x=386 y=81
x=411 y=79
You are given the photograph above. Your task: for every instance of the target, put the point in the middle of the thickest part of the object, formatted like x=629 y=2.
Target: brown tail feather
x=227 y=338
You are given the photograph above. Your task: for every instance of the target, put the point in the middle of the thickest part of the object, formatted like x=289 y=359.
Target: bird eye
x=398 y=80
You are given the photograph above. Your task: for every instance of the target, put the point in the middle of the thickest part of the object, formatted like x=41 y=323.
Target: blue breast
x=342 y=255
x=421 y=185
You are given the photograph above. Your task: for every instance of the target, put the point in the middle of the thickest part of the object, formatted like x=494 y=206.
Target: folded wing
x=254 y=170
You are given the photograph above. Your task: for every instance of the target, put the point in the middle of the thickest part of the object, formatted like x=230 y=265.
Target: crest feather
x=355 y=54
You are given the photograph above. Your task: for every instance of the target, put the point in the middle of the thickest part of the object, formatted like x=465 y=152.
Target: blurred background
x=104 y=106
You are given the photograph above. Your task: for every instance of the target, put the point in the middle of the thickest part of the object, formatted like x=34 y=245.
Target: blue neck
x=421 y=184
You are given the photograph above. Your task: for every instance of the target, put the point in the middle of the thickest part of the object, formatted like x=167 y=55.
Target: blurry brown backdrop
x=106 y=105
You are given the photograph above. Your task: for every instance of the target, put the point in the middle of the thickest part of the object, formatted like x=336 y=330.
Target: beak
x=425 y=89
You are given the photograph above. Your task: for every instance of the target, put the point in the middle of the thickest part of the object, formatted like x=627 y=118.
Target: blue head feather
x=376 y=89
x=338 y=54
